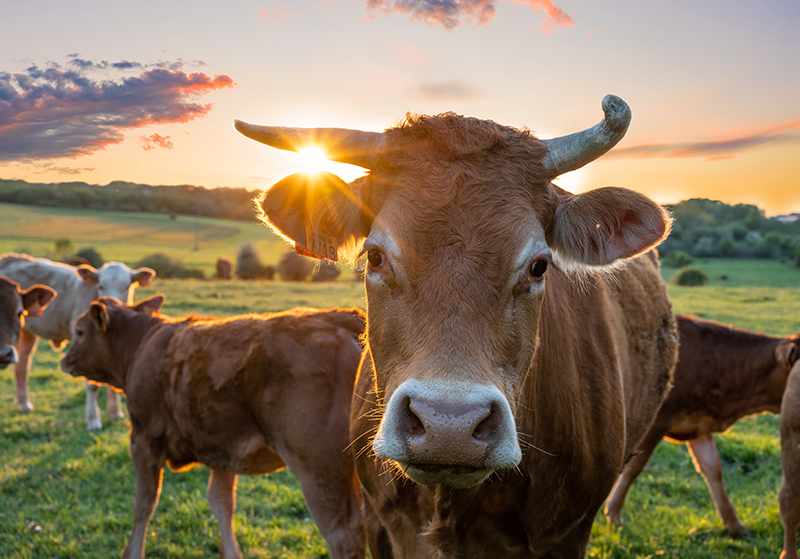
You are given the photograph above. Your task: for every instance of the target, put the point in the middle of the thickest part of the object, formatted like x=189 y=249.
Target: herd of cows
x=518 y=363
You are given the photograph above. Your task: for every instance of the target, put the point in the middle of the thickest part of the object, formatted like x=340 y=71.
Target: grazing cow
x=77 y=287
x=15 y=305
x=789 y=493
x=243 y=395
x=517 y=350
x=722 y=375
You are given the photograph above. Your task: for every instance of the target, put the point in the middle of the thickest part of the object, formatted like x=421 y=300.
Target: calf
x=789 y=494
x=722 y=374
x=15 y=305
x=77 y=287
x=243 y=395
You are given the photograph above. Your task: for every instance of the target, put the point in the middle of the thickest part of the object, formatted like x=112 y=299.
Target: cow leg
x=222 y=502
x=25 y=348
x=149 y=468
x=630 y=472
x=789 y=505
x=334 y=502
x=93 y=422
x=114 y=404
x=706 y=461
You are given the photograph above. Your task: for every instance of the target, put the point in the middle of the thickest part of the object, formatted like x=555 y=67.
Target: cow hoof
x=94 y=425
x=27 y=407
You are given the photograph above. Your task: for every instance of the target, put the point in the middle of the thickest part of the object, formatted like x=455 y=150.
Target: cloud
x=155 y=140
x=54 y=113
x=447 y=91
x=450 y=13
x=59 y=170
x=715 y=150
x=276 y=14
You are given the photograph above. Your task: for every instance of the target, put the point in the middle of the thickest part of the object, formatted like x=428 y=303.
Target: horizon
x=712 y=87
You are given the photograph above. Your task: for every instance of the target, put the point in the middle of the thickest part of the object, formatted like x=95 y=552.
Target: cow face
x=94 y=352
x=461 y=229
x=15 y=305
x=116 y=280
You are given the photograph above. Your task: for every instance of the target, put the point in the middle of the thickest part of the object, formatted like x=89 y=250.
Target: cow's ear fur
x=787 y=353
x=36 y=298
x=99 y=315
x=88 y=274
x=323 y=201
x=149 y=306
x=143 y=276
x=605 y=225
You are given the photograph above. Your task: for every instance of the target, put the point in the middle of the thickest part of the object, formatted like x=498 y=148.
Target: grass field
x=66 y=493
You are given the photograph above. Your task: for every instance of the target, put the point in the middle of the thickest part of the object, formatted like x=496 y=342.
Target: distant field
x=65 y=493
x=127 y=237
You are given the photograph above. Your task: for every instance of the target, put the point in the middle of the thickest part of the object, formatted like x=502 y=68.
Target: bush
x=294 y=267
x=166 y=267
x=690 y=276
x=326 y=271
x=676 y=259
x=91 y=256
x=249 y=265
x=63 y=248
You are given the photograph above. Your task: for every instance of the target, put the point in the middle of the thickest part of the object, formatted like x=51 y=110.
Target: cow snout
x=447 y=434
x=8 y=355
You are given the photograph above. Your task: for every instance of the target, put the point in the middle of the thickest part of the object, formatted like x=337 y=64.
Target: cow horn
x=340 y=144
x=568 y=153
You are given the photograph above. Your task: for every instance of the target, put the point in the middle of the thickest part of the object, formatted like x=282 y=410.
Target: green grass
x=66 y=493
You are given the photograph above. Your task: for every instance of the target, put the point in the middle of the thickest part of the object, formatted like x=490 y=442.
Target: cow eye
x=375 y=257
x=538 y=268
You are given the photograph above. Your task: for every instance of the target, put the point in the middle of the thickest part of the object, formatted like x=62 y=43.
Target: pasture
x=66 y=493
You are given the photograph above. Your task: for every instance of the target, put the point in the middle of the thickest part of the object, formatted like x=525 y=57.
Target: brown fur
x=243 y=395
x=15 y=305
x=722 y=375
x=582 y=359
x=789 y=494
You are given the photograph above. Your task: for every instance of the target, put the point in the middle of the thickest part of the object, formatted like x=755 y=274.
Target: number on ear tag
x=319 y=244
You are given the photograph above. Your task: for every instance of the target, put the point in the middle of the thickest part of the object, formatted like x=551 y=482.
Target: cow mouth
x=460 y=477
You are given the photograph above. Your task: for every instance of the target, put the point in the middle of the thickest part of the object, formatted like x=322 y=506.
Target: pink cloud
x=276 y=14
x=53 y=113
x=155 y=140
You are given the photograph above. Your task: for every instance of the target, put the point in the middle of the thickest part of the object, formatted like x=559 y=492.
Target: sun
x=313 y=160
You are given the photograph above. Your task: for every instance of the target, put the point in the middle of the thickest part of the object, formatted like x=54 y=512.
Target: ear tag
x=319 y=244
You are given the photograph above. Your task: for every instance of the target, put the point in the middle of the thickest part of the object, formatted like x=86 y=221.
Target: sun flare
x=314 y=160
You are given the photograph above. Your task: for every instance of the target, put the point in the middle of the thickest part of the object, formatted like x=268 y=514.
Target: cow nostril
x=487 y=430
x=411 y=423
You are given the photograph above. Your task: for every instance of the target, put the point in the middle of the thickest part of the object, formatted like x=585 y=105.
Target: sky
x=147 y=91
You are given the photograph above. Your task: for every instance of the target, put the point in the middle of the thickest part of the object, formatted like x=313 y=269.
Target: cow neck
x=124 y=349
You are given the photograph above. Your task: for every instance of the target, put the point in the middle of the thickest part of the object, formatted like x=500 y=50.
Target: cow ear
x=99 y=315
x=143 y=276
x=604 y=225
x=149 y=306
x=324 y=202
x=36 y=298
x=88 y=274
x=787 y=354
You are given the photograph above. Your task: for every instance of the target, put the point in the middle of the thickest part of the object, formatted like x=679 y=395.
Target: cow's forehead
x=115 y=273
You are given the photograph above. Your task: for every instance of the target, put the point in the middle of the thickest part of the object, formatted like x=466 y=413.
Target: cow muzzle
x=8 y=355
x=452 y=434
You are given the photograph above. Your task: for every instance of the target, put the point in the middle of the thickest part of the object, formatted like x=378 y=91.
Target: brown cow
x=15 y=305
x=722 y=375
x=243 y=395
x=517 y=351
x=789 y=494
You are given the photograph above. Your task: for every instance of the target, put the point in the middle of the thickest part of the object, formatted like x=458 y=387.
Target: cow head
x=94 y=352
x=15 y=305
x=460 y=225
x=115 y=279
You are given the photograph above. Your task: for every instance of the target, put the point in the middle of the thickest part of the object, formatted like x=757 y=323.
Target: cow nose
x=470 y=427
x=8 y=355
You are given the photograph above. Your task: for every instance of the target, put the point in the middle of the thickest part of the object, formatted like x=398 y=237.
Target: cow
x=243 y=395
x=520 y=339
x=15 y=306
x=77 y=287
x=789 y=493
x=722 y=375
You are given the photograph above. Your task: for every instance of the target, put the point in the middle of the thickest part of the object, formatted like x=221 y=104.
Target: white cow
x=77 y=287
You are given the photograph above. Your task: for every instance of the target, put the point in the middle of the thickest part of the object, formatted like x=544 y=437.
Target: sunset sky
x=147 y=92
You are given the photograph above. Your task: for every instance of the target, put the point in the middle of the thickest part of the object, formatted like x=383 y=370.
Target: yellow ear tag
x=319 y=244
